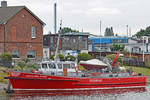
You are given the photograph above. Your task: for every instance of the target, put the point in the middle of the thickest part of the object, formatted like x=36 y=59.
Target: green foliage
x=26 y=60
x=84 y=56
x=148 y=64
x=145 y=71
x=31 y=66
x=143 y=32
x=6 y=57
x=52 y=57
x=2 y=75
x=109 y=32
x=67 y=30
x=112 y=56
x=81 y=68
x=117 y=47
x=70 y=58
x=21 y=66
x=61 y=57
x=132 y=56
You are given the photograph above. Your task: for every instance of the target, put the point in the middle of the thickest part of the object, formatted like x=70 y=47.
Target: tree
x=84 y=56
x=143 y=32
x=109 y=31
x=117 y=47
x=67 y=30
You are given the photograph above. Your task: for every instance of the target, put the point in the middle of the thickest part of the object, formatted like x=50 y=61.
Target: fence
x=133 y=62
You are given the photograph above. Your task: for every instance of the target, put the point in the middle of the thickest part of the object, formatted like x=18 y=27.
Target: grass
x=144 y=70
x=2 y=75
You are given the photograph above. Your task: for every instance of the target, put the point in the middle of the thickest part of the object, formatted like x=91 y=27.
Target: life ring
x=133 y=74
x=76 y=68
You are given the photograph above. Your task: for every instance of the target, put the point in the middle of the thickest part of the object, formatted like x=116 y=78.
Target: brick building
x=21 y=32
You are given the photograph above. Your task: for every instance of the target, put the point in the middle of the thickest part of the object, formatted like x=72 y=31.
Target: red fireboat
x=65 y=81
x=33 y=82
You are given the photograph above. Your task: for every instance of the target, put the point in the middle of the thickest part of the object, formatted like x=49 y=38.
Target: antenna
x=55 y=18
x=127 y=30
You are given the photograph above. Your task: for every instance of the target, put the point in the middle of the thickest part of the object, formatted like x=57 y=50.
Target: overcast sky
x=86 y=14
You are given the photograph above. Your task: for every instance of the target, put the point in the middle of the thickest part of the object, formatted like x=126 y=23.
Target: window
x=33 y=32
x=59 y=66
x=44 y=66
x=31 y=54
x=15 y=53
x=13 y=33
x=80 y=38
x=51 y=39
x=52 y=66
x=72 y=65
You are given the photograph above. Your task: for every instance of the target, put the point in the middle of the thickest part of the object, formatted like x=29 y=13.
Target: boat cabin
x=57 y=66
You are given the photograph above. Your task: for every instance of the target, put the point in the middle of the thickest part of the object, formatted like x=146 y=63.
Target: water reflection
x=116 y=94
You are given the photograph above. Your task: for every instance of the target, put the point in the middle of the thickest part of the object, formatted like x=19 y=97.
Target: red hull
x=30 y=81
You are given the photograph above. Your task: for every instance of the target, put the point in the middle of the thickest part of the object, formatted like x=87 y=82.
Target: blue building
x=104 y=43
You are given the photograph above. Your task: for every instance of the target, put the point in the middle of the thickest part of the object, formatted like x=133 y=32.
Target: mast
x=58 y=40
x=100 y=39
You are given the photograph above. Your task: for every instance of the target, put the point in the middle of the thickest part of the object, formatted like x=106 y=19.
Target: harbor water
x=121 y=94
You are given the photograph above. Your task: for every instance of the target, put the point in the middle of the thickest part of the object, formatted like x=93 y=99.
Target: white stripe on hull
x=80 y=88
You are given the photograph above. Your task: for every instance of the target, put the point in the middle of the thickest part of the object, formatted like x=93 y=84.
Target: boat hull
x=33 y=82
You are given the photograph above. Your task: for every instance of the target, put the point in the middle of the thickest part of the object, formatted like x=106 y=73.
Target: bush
x=84 y=56
x=26 y=60
x=21 y=66
x=6 y=60
x=31 y=66
x=6 y=57
x=61 y=57
x=52 y=57
x=70 y=58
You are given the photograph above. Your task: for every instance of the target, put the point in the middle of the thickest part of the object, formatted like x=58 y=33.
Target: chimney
x=3 y=3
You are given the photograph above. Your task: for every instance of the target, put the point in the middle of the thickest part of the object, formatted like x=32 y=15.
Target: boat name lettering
x=95 y=80
x=36 y=76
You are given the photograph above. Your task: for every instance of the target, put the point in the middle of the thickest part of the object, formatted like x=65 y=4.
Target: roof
x=77 y=33
x=71 y=34
x=7 y=13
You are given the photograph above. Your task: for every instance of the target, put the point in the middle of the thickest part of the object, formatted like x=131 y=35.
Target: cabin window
x=59 y=66
x=15 y=54
x=44 y=66
x=31 y=54
x=69 y=66
x=72 y=65
x=33 y=32
x=52 y=66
